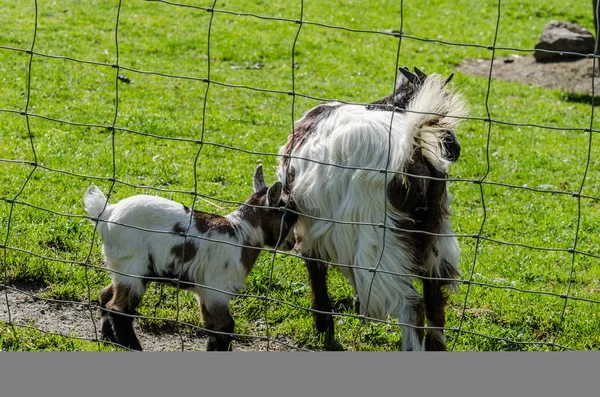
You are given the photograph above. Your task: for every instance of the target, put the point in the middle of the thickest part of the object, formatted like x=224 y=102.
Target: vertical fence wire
x=580 y=190
x=486 y=173
x=200 y=146
x=25 y=112
x=385 y=176
x=292 y=93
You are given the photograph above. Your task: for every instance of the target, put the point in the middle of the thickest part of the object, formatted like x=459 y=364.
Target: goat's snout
x=288 y=243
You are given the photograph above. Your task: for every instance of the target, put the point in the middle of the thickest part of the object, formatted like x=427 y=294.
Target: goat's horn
x=409 y=75
x=449 y=78
x=422 y=76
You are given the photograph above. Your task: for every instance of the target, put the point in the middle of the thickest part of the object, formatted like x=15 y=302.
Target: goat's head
x=267 y=212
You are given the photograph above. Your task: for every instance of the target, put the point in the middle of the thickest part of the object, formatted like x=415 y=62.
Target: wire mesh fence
x=106 y=132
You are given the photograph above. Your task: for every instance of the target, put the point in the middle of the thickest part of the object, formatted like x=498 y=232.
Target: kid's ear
x=259 y=179
x=274 y=194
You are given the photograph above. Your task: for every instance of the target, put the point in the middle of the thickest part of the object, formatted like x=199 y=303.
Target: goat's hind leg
x=218 y=318
x=106 y=325
x=435 y=292
x=125 y=300
x=412 y=314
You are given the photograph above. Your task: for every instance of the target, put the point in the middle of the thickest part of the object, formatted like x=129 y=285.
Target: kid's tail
x=95 y=202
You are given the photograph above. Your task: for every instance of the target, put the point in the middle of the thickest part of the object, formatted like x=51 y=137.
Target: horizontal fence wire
x=37 y=167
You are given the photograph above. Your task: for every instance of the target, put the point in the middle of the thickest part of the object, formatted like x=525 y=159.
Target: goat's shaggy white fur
x=127 y=249
x=355 y=136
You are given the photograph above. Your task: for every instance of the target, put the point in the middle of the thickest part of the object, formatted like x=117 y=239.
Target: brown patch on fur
x=250 y=212
x=106 y=295
x=305 y=127
x=423 y=200
x=267 y=219
x=290 y=177
x=178 y=228
x=170 y=274
x=186 y=209
x=249 y=257
x=206 y=221
x=123 y=299
x=426 y=203
x=185 y=251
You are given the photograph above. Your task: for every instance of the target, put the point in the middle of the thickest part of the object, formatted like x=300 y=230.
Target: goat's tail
x=431 y=117
x=95 y=203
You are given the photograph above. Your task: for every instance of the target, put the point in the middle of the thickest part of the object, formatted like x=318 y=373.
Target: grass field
x=162 y=115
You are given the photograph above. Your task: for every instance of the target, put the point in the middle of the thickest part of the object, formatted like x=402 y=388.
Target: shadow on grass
x=584 y=98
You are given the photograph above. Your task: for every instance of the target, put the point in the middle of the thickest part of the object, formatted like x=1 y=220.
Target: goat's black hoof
x=219 y=344
x=106 y=329
x=135 y=346
x=434 y=344
x=333 y=345
x=328 y=341
x=323 y=324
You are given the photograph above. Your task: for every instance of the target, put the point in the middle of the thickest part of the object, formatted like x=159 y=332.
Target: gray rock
x=564 y=36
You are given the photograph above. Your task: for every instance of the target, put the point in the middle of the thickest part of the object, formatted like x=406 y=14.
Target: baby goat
x=215 y=260
x=409 y=133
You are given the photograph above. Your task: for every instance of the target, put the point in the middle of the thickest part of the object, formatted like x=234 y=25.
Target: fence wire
x=199 y=143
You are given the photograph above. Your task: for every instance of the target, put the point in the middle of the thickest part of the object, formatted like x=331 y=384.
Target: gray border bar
x=300 y=374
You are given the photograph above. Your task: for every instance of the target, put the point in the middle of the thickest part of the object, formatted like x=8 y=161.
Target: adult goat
x=350 y=169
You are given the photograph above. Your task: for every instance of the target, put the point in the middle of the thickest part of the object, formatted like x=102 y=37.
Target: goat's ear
x=259 y=179
x=274 y=194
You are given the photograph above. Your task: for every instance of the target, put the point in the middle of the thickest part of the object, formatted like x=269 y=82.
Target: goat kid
x=417 y=139
x=214 y=260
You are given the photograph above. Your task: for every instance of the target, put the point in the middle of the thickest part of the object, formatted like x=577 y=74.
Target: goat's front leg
x=217 y=317
x=317 y=277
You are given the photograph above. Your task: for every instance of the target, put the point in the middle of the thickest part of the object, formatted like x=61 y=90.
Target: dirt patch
x=74 y=319
x=572 y=76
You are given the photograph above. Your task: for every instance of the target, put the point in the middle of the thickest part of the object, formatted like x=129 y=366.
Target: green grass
x=30 y=339
x=330 y=64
